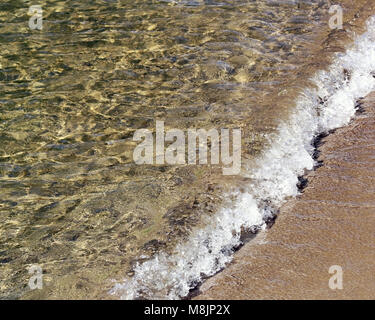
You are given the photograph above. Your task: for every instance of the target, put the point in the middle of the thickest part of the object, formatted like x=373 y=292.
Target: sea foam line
x=209 y=249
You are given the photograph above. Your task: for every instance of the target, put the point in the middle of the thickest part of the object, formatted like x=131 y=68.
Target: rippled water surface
x=71 y=96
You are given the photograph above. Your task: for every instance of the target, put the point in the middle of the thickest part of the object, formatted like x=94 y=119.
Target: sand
x=331 y=223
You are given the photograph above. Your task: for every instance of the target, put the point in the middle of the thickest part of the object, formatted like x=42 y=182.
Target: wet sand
x=331 y=223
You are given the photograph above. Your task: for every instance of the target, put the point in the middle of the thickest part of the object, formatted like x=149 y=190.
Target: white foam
x=210 y=249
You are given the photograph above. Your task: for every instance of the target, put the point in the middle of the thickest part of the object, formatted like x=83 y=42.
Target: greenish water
x=71 y=96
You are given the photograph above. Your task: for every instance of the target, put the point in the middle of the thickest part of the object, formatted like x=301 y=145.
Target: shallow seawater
x=72 y=200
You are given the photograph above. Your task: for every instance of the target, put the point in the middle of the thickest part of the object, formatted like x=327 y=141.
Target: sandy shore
x=331 y=223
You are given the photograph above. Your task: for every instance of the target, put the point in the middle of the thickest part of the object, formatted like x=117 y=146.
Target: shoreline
x=317 y=230
x=141 y=229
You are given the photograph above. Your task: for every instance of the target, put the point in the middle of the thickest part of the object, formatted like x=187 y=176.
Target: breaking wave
x=329 y=105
